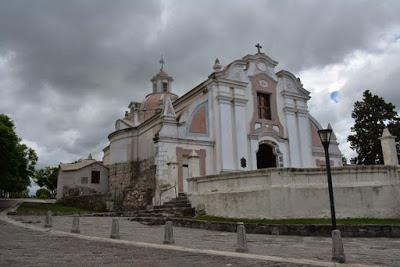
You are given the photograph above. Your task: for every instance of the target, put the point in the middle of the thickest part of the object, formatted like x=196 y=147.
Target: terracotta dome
x=155 y=100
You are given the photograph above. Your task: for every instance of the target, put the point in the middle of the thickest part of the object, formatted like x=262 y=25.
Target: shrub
x=43 y=193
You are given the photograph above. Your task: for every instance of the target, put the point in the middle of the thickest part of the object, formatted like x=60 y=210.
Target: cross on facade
x=162 y=62
x=258 y=47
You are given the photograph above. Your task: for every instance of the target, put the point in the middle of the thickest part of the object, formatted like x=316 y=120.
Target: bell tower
x=162 y=81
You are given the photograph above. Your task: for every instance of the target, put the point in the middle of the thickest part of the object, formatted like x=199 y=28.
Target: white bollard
x=241 y=238
x=48 y=221
x=115 y=229
x=337 y=247
x=169 y=233
x=75 y=225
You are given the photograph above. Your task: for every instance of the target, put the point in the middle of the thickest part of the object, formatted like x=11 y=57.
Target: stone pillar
x=48 y=220
x=241 y=238
x=389 y=151
x=337 y=247
x=114 y=229
x=75 y=225
x=168 y=233
x=194 y=164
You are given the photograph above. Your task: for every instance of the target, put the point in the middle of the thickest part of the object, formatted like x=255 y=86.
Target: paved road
x=372 y=251
x=6 y=203
x=25 y=247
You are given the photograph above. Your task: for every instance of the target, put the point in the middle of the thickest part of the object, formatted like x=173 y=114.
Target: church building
x=244 y=116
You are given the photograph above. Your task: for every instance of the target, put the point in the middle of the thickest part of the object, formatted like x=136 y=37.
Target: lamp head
x=325 y=136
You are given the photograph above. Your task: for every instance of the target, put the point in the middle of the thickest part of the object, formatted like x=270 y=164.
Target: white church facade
x=244 y=116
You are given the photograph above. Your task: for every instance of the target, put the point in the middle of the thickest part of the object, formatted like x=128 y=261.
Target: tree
x=371 y=116
x=47 y=177
x=17 y=161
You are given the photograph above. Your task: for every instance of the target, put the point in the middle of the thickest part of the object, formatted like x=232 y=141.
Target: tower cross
x=258 y=47
x=162 y=62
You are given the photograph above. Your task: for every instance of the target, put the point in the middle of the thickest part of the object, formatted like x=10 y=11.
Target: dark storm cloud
x=71 y=67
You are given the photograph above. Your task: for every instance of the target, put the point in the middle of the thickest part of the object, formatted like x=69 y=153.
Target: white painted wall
x=73 y=179
x=362 y=191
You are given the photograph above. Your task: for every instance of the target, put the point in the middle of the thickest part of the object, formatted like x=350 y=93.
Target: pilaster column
x=194 y=165
x=239 y=109
x=225 y=131
x=305 y=139
x=294 y=146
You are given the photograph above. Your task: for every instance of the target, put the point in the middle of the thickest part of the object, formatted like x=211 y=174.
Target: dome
x=155 y=100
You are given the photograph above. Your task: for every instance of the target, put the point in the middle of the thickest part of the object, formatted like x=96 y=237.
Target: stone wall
x=360 y=191
x=132 y=184
x=95 y=202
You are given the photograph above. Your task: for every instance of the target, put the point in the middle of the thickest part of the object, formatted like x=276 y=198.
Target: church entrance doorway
x=265 y=157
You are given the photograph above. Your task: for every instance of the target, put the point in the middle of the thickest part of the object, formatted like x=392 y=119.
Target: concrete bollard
x=75 y=225
x=48 y=221
x=115 y=229
x=169 y=233
x=337 y=247
x=241 y=238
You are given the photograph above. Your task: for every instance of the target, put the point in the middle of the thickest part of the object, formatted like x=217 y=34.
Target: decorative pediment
x=292 y=86
x=261 y=58
x=238 y=70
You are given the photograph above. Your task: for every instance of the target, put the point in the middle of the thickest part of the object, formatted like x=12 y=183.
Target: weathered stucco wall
x=361 y=191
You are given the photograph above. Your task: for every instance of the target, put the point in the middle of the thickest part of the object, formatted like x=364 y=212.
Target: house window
x=165 y=86
x=84 y=180
x=95 y=177
x=264 y=106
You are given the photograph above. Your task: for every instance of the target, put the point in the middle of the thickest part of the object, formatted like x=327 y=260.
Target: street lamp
x=325 y=136
x=337 y=244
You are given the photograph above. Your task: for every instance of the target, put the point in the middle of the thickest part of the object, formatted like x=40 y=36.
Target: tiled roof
x=78 y=165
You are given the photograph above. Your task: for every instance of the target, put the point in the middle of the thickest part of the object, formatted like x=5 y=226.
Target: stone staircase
x=177 y=207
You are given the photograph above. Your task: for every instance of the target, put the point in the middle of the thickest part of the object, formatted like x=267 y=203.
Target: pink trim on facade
x=266 y=125
x=314 y=135
x=180 y=154
x=198 y=123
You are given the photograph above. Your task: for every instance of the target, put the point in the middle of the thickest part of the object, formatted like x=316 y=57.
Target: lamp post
x=337 y=244
x=325 y=136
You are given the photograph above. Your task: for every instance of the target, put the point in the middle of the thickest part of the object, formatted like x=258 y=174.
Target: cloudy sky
x=68 y=69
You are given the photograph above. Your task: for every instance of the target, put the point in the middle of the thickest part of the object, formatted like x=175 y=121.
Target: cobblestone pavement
x=24 y=247
x=372 y=251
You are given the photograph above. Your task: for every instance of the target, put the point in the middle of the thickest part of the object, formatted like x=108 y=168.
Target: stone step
x=177 y=202
x=177 y=205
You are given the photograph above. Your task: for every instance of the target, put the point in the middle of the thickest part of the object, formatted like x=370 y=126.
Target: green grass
x=29 y=208
x=349 y=221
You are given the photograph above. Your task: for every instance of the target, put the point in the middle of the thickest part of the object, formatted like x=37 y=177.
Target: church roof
x=155 y=100
x=78 y=165
x=161 y=75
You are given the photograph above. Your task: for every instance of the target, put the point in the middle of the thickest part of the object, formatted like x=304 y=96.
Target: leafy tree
x=371 y=114
x=47 y=177
x=17 y=161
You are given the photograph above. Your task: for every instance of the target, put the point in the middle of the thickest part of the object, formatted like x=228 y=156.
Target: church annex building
x=244 y=116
